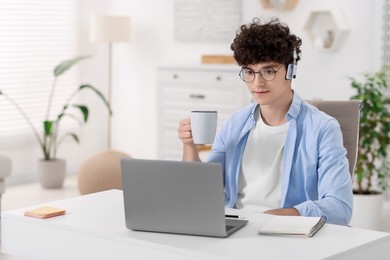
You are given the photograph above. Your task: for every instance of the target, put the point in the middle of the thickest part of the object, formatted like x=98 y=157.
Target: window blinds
x=35 y=36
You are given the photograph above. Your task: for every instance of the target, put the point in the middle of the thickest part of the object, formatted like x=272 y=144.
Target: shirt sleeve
x=334 y=180
x=218 y=150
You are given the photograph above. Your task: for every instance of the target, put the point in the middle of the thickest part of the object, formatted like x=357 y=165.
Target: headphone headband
x=292 y=67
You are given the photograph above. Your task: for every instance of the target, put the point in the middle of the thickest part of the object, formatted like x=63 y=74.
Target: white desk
x=94 y=228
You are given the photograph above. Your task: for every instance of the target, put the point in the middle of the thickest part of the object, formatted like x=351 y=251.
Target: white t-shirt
x=259 y=184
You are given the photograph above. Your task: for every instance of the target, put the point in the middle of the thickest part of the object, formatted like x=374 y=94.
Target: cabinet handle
x=197 y=96
x=175 y=76
x=218 y=78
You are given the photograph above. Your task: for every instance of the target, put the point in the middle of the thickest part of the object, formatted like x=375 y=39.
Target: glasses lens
x=247 y=75
x=267 y=73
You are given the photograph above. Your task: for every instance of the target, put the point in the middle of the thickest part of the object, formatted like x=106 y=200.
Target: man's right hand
x=185 y=133
x=190 y=150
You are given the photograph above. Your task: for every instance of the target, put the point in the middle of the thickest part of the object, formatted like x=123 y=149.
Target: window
x=35 y=36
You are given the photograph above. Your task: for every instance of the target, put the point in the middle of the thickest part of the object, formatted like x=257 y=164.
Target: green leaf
x=374 y=135
x=47 y=126
x=87 y=86
x=84 y=111
x=60 y=116
x=75 y=137
x=65 y=65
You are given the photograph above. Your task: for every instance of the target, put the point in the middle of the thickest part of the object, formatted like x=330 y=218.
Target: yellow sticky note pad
x=44 y=212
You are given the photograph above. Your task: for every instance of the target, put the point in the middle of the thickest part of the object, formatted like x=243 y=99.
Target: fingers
x=184 y=131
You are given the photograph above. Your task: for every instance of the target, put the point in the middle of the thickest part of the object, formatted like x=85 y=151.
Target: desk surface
x=94 y=228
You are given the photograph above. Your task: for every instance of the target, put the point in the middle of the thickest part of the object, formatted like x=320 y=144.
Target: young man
x=278 y=153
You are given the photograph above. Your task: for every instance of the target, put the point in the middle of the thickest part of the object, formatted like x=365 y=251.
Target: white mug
x=203 y=126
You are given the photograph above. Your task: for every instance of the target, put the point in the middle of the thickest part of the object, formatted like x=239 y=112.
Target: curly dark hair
x=264 y=42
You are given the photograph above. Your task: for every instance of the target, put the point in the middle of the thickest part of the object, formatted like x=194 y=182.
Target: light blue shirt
x=316 y=178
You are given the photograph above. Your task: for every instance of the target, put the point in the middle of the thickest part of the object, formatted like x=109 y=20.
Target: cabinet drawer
x=171 y=117
x=200 y=77
x=190 y=93
x=170 y=139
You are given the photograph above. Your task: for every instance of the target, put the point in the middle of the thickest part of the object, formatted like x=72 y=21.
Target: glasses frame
x=259 y=72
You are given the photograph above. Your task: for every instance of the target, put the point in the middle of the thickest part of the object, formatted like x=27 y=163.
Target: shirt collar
x=252 y=116
x=295 y=107
x=292 y=112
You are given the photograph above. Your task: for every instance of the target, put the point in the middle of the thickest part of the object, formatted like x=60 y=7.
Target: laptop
x=176 y=197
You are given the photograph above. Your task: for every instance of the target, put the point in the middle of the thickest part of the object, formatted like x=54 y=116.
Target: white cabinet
x=199 y=87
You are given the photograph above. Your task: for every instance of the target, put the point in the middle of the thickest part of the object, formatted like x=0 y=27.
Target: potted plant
x=52 y=169
x=372 y=171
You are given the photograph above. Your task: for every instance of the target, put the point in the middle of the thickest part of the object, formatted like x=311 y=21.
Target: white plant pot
x=52 y=173
x=367 y=211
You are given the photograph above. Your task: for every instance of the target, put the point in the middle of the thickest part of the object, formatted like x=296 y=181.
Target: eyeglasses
x=267 y=73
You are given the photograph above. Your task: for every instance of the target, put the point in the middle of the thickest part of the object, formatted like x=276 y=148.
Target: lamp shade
x=109 y=29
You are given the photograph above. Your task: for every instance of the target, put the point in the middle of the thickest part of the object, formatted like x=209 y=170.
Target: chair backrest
x=347 y=113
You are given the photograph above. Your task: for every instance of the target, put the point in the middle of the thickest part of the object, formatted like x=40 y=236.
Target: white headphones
x=292 y=67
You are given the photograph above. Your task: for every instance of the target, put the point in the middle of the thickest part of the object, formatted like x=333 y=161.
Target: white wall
x=320 y=75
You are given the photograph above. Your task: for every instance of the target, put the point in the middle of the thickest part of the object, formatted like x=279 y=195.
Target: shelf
x=279 y=4
x=327 y=29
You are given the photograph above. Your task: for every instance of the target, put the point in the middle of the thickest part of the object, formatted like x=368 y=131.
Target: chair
x=347 y=113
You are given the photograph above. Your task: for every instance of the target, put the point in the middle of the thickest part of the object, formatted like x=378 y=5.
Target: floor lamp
x=109 y=29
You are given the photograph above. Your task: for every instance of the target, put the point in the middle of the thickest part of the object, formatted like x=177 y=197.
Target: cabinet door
x=180 y=92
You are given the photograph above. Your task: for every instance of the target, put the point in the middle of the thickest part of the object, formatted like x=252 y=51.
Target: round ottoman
x=101 y=172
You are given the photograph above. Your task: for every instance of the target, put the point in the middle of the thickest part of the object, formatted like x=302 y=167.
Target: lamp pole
x=109 y=125
x=110 y=29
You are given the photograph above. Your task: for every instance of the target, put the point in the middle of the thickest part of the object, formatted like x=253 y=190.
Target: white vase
x=367 y=211
x=52 y=173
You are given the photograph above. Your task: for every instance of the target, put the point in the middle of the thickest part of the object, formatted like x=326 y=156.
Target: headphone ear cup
x=291 y=71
